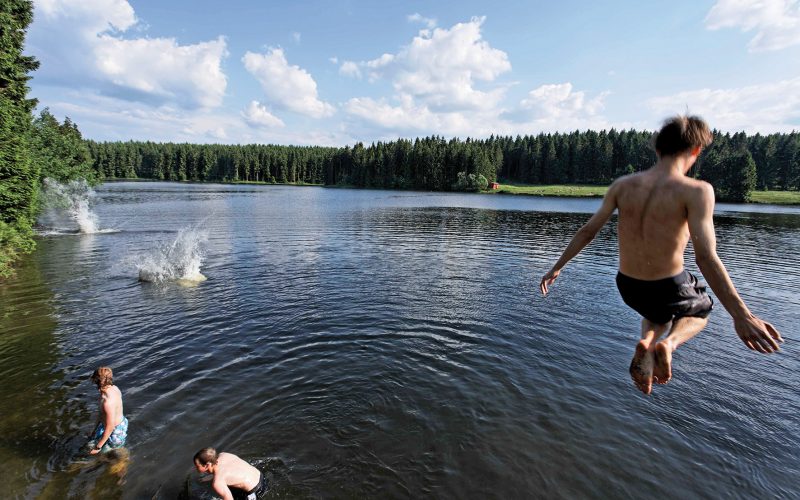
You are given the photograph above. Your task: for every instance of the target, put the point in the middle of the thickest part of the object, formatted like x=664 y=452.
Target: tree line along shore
x=34 y=147
x=736 y=164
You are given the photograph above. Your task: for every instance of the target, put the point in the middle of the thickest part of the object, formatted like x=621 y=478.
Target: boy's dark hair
x=681 y=133
x=206 y=456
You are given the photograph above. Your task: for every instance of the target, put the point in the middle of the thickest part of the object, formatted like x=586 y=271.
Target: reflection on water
x=40 y=435
x=384 y=344
x=30 y=388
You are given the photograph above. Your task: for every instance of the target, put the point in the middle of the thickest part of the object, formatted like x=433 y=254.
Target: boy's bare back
x=235 y=472
x=653 y=230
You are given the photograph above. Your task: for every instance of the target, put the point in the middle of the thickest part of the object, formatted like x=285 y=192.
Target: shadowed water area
x=390 y=345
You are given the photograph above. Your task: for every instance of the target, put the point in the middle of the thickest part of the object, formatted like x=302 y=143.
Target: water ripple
x=370 y=344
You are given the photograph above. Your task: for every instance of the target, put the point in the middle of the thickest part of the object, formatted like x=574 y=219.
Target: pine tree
x=740 y=176
x=19 y=176
x=58 y=150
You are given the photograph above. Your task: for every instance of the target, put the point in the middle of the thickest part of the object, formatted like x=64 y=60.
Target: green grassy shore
x=765 y=197
x=553 y=190
x=776 y=197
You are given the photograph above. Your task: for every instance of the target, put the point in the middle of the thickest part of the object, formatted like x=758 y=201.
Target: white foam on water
x=70 y=204
x=179 y=260
x=86 y=219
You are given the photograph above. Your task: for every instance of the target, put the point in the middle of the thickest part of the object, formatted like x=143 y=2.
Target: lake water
x=383 y=344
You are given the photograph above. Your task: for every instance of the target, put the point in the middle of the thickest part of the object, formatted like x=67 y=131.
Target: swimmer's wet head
x=205 y=460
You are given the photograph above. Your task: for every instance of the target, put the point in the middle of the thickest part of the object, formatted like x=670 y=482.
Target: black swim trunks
x=257 y=492
x=666 y=299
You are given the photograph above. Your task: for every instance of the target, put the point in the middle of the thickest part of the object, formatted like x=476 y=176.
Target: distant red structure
x=494 y=185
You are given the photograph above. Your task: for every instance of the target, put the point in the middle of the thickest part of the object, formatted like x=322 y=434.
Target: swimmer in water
x=233 y=478
x=659 y=210
x=111 y=430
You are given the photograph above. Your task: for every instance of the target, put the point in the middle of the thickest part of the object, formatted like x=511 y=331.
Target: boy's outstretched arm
x=756 y=334
x=583 y=237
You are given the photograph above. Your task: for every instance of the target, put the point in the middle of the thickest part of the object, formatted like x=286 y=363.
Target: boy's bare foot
x=663 y=361
x=642 y=367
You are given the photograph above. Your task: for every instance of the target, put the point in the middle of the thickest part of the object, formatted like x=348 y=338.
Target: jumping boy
x=658 y=211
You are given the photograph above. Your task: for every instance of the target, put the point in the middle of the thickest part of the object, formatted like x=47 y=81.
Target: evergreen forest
x=735 y=164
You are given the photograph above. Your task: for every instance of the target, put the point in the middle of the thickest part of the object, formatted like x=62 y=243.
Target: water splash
x=67 y=205
x=179 y=260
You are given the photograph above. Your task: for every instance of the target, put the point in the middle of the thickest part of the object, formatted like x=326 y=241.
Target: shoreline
x=758 y=197
x=784 y=198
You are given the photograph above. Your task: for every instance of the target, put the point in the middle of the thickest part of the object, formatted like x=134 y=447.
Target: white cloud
x=161 y=67
x=436 y=81
x=110 y=119
x=409 y=119
x=427 y=21
x=776 y=22
x=296 y=37
x=380 y=62
x=285 y=86
x=548 y=108
x=387 y=116
x=375 y=64
x=441 y=69
x=81 y=44
x=257 y=115
x=559 y=102
x=349 y=68
x=765 y=108
x=557 y=108
x=90 y=16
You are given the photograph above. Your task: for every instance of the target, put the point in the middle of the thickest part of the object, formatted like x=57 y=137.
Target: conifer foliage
x=734 y=164
x=30 y=149
x=18 y=173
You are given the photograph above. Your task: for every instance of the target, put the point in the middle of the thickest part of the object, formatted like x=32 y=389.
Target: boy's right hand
x=548 y=280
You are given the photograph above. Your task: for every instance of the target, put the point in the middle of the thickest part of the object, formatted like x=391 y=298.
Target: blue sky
x=341 y=71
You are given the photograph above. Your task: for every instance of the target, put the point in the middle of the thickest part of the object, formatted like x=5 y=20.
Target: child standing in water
x=111 y=430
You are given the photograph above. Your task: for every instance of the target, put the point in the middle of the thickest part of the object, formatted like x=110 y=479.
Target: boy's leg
x=643 y=357
x=682 y=330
